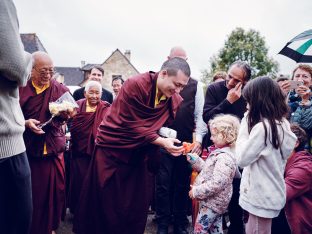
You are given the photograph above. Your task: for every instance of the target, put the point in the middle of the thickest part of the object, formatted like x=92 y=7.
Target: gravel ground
x=151 y=227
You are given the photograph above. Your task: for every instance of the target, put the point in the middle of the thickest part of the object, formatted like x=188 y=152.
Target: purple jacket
x=298 y=178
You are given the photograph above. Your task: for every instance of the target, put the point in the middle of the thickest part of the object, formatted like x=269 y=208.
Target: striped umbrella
x=299 y=48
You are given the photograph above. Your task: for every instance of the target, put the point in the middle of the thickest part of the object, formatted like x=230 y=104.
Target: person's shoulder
x=217 y=86
x=221 y=84
x=79 y=90
x=27 y=89
x=302 y=160
x=192 y=83
x=259 y=128
x=81 y=101
x=104 y=103
x=140 y=81
x=107 y=92
x=141 y=78
x=193 y=80
x=79 y=93
x=59 y=86
x=225 y=151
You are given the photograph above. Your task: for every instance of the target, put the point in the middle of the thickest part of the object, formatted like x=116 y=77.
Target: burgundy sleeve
x=298 y=181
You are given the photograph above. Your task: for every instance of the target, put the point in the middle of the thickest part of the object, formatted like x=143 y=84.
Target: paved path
x=151 y=227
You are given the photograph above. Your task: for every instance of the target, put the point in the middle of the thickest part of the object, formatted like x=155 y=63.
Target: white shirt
x=201 y=127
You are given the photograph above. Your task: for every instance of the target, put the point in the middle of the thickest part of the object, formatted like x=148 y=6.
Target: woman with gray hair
x=83 y=131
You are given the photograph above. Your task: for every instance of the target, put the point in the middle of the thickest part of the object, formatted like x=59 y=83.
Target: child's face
x=217 y=138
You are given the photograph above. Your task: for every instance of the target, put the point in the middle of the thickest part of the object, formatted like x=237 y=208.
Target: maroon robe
x=83 y=132
x=47 y=171
x=114 y=197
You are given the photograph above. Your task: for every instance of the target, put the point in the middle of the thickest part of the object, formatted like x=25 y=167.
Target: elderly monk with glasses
x=44 y=146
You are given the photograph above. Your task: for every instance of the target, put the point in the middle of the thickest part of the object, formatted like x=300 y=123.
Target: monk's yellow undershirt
x=38 y=89
x=89 y=108
x=162 y=98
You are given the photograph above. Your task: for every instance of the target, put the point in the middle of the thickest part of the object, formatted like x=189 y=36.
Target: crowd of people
x=126 y=154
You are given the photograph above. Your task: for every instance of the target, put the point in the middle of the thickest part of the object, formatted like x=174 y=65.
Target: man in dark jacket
x=226 y=97
x=96 y=73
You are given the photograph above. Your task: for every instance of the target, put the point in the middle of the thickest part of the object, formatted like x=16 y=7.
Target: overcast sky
x=90 y=30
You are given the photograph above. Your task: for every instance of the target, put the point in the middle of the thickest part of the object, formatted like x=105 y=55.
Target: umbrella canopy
x=299 y=48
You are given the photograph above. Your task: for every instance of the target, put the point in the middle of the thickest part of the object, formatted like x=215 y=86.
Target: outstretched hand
x=197 y=148
x=32 y=124
x=171 y=148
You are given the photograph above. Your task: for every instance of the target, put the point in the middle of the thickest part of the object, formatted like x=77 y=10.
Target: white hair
x=227 y=127
x=93 y=83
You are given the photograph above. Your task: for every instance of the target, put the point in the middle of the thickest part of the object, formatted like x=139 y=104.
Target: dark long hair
x=266 y=101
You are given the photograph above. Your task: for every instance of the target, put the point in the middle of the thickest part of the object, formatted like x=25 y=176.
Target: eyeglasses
x=45 y=71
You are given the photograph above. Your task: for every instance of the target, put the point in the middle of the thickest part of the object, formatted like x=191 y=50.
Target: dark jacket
x=184 y=122
x=301 y=115
x=106 y=95
x=216 y=103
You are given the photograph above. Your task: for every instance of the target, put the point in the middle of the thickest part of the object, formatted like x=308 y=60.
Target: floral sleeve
x=223 y=174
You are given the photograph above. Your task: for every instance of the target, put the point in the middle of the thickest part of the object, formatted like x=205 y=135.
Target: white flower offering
x=55 y=108
x=65 y=103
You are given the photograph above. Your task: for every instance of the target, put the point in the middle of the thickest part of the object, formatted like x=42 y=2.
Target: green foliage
x=243 y=45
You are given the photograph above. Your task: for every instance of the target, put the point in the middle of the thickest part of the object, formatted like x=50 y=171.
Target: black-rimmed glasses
x=45 y=71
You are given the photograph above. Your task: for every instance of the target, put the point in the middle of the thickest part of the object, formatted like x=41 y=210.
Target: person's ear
x=164 y=73
x=85 y=94
x=297 y=144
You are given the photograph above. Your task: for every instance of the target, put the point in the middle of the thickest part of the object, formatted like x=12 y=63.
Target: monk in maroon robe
x=44 y=146
x=114 y=197
x=83 y=132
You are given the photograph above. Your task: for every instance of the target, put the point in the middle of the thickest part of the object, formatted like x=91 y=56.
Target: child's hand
x=191 y=193
x=191 y=158
x=197 y=148
x=187 y=147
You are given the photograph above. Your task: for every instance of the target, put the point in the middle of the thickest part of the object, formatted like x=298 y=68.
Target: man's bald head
x=43 y=68
x=177 y=51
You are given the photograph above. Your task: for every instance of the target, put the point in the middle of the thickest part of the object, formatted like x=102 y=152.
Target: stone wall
x=117 y=64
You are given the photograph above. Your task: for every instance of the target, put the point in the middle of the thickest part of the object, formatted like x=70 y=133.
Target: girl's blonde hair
x=227 y=127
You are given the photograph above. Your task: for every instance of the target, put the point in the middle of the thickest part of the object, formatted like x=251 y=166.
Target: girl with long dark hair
x=264 y=143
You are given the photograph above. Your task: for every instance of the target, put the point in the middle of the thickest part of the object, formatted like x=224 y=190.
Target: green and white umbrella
x=299 y=48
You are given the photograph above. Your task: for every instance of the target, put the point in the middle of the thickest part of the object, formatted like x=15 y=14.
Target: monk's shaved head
x=41 y=57
x=177 y=51
x=175 y=64
x=43 y=69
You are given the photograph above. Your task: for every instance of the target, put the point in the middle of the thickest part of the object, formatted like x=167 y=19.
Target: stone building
x=117 y=64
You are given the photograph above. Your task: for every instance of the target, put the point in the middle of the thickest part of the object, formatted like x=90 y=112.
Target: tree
x=242 y=45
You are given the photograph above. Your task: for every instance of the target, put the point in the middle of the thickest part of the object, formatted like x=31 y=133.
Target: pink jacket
x=298 y=178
